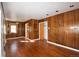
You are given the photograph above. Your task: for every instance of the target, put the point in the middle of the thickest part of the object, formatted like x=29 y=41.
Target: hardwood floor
x=25 y=48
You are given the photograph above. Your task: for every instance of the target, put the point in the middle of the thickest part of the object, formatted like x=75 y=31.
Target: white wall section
x=23 y=11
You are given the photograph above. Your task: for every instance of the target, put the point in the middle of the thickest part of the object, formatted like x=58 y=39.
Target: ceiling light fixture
x=57 y=10
x=47 y=14
x=71 y=6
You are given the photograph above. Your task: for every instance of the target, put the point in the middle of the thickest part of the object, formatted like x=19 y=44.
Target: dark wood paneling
x=68 y=23
x=41 y=20
x=61 y=28
x=20 y=29
x=77 y=24
x=33 y=29
x=52 y=28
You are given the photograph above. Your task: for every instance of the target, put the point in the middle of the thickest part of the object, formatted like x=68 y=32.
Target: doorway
x=26 y=31
x=43 y=30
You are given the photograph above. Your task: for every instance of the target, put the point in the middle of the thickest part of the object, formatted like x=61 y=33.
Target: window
x=13 y=29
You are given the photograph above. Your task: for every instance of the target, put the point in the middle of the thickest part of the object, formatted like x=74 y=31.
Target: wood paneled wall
x=20 y=29
x=26 y=30
x=33 y=29
x=64 y=28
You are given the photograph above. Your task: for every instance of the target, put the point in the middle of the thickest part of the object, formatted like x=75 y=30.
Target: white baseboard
x=63 y=46
x=47 y=42
x=15 y=38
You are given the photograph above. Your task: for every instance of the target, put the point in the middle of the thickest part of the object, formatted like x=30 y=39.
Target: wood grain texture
x=77 y=23
x=39 y=48
x=33 y=29
x=64 y=28
x=19 y=32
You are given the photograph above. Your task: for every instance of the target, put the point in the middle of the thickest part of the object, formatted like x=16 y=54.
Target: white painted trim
x=46 y=30
x=15 y=37
x=63 y=46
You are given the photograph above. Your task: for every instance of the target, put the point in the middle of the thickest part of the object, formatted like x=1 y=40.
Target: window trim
x=11 y=25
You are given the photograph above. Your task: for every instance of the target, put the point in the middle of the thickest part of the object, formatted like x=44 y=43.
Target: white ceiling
x=23 y=11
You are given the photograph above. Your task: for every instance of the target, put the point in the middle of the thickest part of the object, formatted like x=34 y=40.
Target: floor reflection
x=13 y=47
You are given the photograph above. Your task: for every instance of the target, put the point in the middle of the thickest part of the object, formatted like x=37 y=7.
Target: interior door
x=41 y=30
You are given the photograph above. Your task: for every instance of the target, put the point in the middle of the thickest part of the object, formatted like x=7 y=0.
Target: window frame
x=14 y=25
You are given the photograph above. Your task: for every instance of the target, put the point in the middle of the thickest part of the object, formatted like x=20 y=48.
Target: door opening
x=43 y=30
